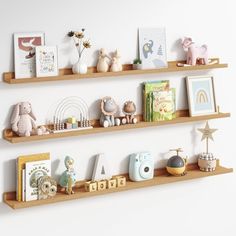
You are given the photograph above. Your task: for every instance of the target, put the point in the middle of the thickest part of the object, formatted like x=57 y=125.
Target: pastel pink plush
x=23 y=119
x=195 y=53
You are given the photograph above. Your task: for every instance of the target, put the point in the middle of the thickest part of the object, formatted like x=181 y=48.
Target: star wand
x=207 y=134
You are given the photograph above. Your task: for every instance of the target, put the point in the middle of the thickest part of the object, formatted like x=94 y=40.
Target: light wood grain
x=66 y=74
x=181 y=118
x=161 y=177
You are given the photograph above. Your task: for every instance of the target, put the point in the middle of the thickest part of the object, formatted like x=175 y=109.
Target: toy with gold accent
x=176 y=165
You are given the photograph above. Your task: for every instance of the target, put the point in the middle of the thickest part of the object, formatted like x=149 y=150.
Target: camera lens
x=146 y=169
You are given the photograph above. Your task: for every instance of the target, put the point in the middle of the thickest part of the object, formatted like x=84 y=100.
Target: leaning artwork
x=152 y=47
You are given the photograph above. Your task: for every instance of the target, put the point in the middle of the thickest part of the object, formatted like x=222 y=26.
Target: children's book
x=148 y=88
x=23 y=185
x=20 y=165
x=163 y=105
x=33 y=171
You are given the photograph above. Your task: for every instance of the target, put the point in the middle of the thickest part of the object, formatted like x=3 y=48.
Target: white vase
x=79 y=67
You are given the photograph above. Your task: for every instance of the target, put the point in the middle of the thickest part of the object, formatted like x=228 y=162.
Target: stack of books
x=158 y=101
x=29 y=169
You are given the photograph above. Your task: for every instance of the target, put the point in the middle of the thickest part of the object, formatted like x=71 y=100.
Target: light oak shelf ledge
x=161 y=177
x=66 y=74
x=182 y=117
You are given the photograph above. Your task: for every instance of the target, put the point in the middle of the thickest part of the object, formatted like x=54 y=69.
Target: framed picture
x=46 y=61
x=152 y=47
x=201 y=95
x=24 y=49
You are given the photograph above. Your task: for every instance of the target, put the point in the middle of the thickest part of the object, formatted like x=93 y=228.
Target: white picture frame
x=201 y=95
x=152 y=48
x=24 y=53
x=46 y=61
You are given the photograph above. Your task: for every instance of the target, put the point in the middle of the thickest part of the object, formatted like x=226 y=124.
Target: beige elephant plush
x=23 y=119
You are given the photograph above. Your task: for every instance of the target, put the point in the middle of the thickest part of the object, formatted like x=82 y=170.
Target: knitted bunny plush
x=23 y=119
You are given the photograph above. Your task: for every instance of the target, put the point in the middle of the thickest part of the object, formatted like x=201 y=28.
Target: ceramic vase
x=80 y=67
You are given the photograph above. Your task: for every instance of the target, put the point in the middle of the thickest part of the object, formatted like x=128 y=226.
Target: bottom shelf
x=161 y=177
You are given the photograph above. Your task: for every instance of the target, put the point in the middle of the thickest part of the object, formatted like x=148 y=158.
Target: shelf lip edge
x=94 y=75
x=100 y=130
x=16 y=205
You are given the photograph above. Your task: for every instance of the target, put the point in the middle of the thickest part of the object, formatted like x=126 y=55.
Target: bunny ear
x=32 y=114
x=15 y=113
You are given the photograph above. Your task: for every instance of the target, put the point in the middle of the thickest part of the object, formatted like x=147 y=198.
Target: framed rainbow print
x=201 y=95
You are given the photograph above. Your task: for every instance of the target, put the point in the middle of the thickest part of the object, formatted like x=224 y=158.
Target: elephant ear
x=15 y=113
x=32 y=114
x=103 y=100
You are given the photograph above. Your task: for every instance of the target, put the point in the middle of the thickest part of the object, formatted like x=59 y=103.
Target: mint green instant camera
x=141 y=166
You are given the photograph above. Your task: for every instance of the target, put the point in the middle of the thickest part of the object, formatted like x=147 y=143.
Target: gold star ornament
x=207 y=132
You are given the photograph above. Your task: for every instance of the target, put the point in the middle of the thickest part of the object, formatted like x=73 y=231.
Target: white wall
x=175 y=209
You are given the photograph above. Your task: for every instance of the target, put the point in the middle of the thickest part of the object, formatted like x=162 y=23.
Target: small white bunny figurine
x=116 y=64
x=23 y=119
x=102 y=65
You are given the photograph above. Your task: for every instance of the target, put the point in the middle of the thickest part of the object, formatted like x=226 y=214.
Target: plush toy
x=129 y=109
x=23 y=119
x=109 y=109
x=41 y=130
x=47 y=187
x=115 y=62
x=68 y=177
x=195 y=54
x=103 y=64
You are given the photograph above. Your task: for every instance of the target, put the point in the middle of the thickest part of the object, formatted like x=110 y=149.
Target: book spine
x=17 y=182
x=23 y=185
x=144 y=104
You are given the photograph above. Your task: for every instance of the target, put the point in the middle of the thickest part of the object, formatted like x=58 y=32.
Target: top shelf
x=66 y=74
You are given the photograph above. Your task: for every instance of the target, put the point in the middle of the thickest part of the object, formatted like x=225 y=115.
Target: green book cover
x=163 y=105
x=148 y=88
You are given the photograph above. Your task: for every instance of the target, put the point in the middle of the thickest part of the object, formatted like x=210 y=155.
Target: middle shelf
x=182 y=117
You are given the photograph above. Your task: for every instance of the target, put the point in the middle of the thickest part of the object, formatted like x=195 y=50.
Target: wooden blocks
x=115 y=182
x=111 y=183
x=120 y=181
x=74 y=125
x=102 y=185
x=68 y=125
x=90 y=186
x=71 y=120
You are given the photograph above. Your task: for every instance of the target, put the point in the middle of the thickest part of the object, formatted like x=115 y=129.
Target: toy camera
x=141 y=166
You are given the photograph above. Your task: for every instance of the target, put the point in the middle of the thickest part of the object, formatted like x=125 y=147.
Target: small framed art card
x=152 y=47
x=24 y=50
x=201 y=95
x=46 y=61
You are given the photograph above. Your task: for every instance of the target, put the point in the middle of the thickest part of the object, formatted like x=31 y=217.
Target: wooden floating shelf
x=161 y=177
x=66 y=74
x=182 y=117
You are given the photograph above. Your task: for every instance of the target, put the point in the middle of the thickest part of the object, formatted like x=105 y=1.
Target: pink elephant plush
x=195 y=54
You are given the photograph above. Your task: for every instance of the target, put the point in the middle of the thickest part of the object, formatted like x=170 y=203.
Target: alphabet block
x=102 y=185
x=120 y=181
x=101 y=169
x=90 y=186
x=111 y=183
